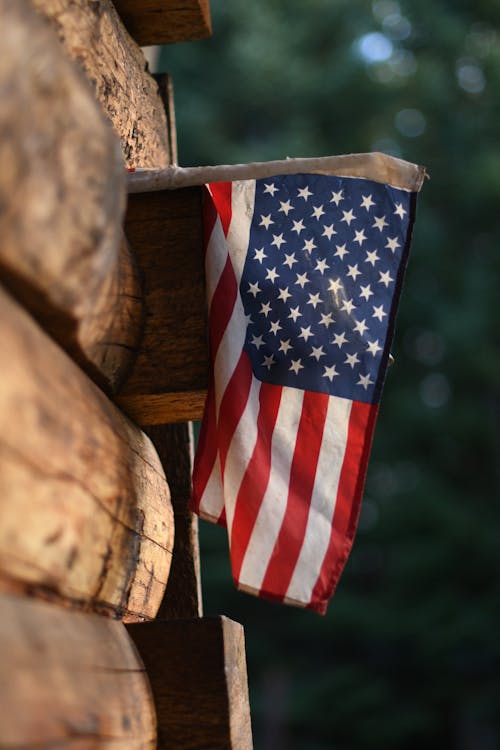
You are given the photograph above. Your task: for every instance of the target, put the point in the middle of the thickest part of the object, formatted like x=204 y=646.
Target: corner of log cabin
x=165 y=21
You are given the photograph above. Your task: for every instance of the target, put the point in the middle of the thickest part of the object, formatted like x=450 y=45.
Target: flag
x=304 y=273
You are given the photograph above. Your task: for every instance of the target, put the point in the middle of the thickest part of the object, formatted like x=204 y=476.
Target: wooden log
x=94 y=36
x=169 y=376
x=70 y=681
x=164 y=21
x=197 y=670
x=175 y=446
x=85 y=515
x=62 y=199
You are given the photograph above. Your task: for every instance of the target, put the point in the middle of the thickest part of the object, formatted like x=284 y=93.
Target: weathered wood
x=166 y=89
x=175 y=446
x=70 y=680
x=94 y=36
x=164 y=21
x=85 y=515
x=197 y=670
x=169 y=376
x=62 y=198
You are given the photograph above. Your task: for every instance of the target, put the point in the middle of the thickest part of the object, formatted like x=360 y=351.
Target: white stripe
x=229 y=352
x=323 y=501
x=212 y=500
x=238 y=236
x=240 y=452
x=273 y=508
x=215 y=259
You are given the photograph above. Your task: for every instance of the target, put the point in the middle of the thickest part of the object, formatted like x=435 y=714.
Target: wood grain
x=93 y=36
x=169 y=376
x=197 y=670
x=164 y=21
x=70 y=680
x=85 y=515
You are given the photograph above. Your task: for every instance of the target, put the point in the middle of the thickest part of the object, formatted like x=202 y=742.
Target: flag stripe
x=232 y=406
x=206 y=453
x=222 y=306
x=256 y=478
x=221 y=193
x=302 y=478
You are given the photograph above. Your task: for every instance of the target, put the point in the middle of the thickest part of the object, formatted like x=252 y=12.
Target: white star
x=271 y=189
x=313 y=300
x=352 y=360
x=372 y=257
x=348 y=306
x=254 y=289
x=289 y=260
x=378 y=312
x=367 y=202
x=341 y=251
x=361 y=326
x=365 y=381
x=298 y=226
x=337 y=197
x=265 y=309
x=302 y=279
x=330 y=372
x=304 y=193
x=295 y=313
x=348 y=216
x=275 y=327
x=309 y=245
x=353 y=272
x=271 y=274
x=284 y=294
x=285 y=207
x=260 y=255
x=360 y=236
x=278 y=240
x=399 y=210
x=285 y=345
x=257 y=341
x=385 y=278
x=266 y=221
x=339 y=339
x=268 y=362
x=305 y=333
x=393 y=244
x=296 y=366
x=380 y=223
x=317 y=353
x=321 y=266
x=326 y=320
x=317 y=212
x=373 y=347
x=335 y=285
x=328 y=231
x=366 y=292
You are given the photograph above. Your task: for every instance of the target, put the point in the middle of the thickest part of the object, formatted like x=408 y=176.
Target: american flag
x=304 y=273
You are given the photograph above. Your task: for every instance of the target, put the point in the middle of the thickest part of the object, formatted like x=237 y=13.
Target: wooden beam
x=94 y=37
x=71 y=681
x=85 y=515
x=169 y=376
x=197 y=670
x=165 y=21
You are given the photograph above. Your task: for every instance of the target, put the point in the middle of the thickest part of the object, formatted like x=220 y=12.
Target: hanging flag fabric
x=304 y=266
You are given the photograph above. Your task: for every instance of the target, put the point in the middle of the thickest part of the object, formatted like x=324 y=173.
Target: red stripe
x=256 y=477
x=206 y=452
x=352 y=478
x=209 y=218
x=302 y=479
x=222 y=306
x=222 y=195
x=233 y=405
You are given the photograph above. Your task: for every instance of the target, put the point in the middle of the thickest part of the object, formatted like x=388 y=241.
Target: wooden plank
x=197 y=670
x=70 y=680
x=175 y=446
x=62 y=198
x=93 y=35
x=85 y=515
x=165 y=21
x=169 y=376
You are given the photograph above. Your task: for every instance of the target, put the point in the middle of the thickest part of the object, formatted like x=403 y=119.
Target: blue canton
x=325 y=259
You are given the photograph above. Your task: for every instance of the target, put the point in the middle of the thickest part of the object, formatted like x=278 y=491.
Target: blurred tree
x=408 y=653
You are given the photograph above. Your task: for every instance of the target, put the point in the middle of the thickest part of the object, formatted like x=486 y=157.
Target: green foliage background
x=408 y=654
